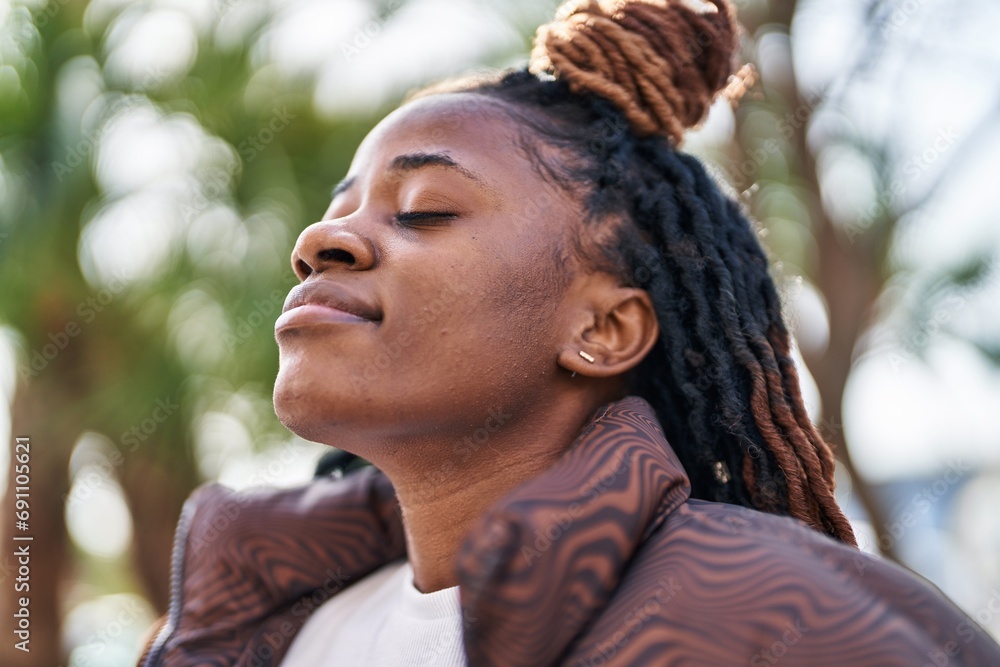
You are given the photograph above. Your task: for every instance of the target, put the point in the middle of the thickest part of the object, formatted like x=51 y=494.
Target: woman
x=559 y=345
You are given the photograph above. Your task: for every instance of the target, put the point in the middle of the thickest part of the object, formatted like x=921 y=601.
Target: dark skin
x=476 y=328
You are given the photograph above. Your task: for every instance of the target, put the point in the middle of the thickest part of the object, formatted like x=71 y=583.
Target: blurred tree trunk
x=36 y=414
x=849 y=275
x=155 y=496
x=850 y=280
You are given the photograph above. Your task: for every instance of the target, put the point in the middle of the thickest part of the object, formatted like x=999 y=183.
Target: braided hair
x=612 y=86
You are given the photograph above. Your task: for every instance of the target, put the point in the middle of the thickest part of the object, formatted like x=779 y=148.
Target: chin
x=316 y=406
x=301 y=404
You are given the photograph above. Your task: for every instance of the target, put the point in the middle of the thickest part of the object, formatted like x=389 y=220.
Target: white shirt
x=382 y=621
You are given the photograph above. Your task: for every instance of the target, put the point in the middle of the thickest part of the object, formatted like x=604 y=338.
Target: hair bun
x=661 y=62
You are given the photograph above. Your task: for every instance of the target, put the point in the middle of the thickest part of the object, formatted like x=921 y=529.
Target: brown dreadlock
x=661 y=67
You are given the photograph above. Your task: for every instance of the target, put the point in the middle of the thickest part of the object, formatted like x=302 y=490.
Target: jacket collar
x=543 y=560
x=548 y=556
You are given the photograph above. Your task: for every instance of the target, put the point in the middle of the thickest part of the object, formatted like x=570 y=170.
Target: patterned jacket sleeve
x=738 y=587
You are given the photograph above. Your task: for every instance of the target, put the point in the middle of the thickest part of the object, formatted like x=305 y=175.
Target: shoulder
x=216 y=515
x=718 y=584
x=243 y=556
x=225 y=533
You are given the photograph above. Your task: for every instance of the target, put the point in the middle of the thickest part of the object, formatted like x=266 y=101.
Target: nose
x=325 y=245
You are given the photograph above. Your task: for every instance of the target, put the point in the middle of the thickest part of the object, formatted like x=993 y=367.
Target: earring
x=586 y=356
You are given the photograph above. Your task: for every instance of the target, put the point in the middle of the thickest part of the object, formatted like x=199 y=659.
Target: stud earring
x=586 y=356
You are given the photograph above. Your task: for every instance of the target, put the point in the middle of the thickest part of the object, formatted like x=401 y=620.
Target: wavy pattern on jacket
x=738 y=587
x=552 y=552
x=249 y=555
x=602 y=560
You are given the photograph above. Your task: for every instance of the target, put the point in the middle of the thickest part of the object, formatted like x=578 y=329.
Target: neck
x=442 y=501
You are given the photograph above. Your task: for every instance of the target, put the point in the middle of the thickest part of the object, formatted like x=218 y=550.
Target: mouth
x=324 y=303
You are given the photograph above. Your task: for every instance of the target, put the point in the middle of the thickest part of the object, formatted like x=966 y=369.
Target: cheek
x=481 y=312
x=492 y=307
x=527 y=291
x=518 y=282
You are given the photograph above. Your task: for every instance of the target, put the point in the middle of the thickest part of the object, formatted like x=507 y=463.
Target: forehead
x=474 y=130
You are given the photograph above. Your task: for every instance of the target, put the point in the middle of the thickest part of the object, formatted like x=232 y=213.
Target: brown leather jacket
x=601 y=560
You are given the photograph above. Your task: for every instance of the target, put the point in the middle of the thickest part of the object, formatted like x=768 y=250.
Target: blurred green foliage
x=157 y=162
x=150 y=195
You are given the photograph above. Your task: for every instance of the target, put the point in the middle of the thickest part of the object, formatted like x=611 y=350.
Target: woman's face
x=447 y=243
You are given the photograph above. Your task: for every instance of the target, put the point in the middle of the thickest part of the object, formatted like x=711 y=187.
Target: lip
x=322 y=303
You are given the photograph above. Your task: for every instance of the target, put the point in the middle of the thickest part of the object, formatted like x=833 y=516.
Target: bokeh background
x=158 y=159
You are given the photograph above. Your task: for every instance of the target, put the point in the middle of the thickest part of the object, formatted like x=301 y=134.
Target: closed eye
x=424 y=218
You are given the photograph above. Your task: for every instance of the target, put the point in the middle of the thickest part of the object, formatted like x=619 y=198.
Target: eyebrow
x=343 y=185
x=414 y=161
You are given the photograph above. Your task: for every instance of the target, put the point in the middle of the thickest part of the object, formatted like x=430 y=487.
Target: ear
x=614 y=325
